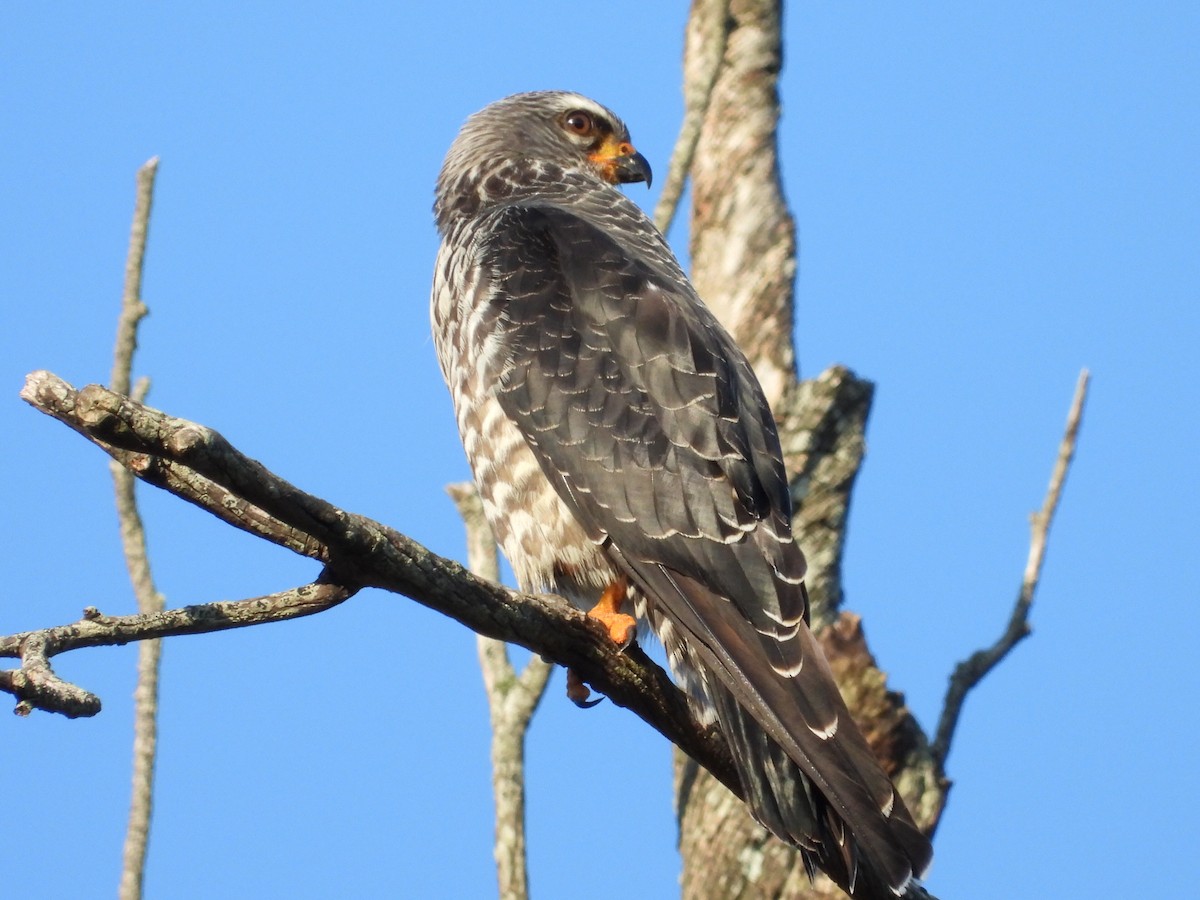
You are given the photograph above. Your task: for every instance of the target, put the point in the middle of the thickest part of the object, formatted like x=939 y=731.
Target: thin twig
x=37 y=687
x=512 y=700
x=972 y=670
x=133 y=310
x=137 y=560
x=707 y=26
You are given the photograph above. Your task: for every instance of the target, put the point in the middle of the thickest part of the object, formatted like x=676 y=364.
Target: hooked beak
x=619 y=163
x=633 y=167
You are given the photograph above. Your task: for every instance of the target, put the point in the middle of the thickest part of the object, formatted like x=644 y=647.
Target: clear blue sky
x=989 y=198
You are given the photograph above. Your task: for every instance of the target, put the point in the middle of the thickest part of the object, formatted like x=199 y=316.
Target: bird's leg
x=621 y=629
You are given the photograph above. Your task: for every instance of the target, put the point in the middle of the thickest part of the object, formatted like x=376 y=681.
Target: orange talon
x=621 y=630
x=621 y=627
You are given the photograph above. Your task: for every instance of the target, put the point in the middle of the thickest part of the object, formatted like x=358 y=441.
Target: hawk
x=627 y=459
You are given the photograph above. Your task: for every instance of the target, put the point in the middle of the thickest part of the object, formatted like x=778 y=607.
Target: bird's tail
x=871 y=866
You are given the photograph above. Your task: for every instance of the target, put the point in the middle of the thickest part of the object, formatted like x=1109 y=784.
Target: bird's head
x=538 y=134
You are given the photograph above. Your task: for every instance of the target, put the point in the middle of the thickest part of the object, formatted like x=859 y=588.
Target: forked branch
x=36 y=686
x=197 y=464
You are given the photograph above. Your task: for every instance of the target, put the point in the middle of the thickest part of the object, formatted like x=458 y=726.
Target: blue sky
x=988 y=199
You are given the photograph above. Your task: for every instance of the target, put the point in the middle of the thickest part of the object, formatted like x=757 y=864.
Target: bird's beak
x=633 y=167
x=619 y=163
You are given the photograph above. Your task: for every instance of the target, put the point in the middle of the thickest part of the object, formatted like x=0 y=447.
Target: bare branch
x=971 y=671
x=133 y=542
x=365 y=553
x=705 y=49
x=37 y=687
x=533 y=679
x=132 y=308
x=482 y=559
x=512 y=700
x=194 y=472
x=226 y=505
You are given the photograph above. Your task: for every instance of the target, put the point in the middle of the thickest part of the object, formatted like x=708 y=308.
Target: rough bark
x=743 y=238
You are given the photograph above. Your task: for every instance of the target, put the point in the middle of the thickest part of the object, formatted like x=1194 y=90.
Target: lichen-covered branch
x=512 y=700
x=36 y=686
x=360 y=551
x=972 y=670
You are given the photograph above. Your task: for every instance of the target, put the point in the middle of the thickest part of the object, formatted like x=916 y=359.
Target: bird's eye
x=578 y=122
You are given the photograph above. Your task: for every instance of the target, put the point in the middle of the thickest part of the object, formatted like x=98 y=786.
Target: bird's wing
x=652 y=428
x=651 y=419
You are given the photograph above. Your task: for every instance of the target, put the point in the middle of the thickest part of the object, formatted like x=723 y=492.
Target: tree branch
x=361 y=552
x=203 y=467
x=512 y=701
x=972 y=670
x=133 y=310
x=704 y=52
x=822 y=431
x=133 y=542
x=37 y=687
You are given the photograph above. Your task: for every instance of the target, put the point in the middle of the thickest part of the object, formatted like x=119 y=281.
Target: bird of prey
x=627 y=459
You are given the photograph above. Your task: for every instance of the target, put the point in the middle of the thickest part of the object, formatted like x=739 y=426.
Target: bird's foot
x=621 y=627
